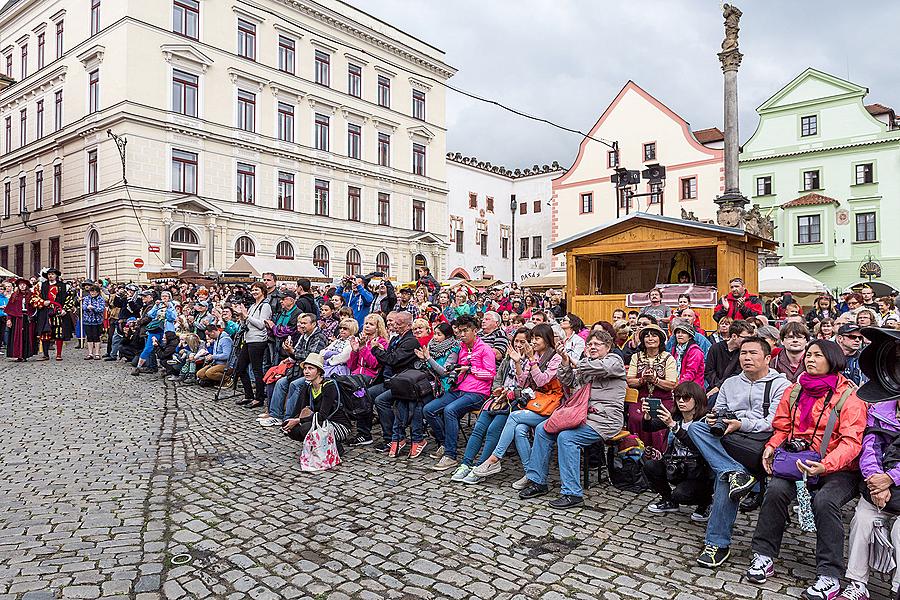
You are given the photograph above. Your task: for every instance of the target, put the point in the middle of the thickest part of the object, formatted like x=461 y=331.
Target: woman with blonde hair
x=361 y=360
x=337 y=353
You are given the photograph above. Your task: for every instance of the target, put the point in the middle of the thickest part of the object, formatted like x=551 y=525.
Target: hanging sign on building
x=870 y=269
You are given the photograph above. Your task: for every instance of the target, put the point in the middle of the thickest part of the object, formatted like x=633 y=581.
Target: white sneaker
x=486 y=469
x=445 y=464
x=520 y=484
x=270 y=422
x=825 y=588
x=460 y=473
x=471 y=479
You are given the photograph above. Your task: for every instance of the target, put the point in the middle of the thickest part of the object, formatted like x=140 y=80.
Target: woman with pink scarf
x=804 y=416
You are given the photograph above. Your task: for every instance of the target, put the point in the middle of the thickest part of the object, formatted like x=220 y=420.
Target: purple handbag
x=784 y=466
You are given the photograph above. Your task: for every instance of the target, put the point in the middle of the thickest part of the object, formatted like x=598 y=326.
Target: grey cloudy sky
x=565 y=60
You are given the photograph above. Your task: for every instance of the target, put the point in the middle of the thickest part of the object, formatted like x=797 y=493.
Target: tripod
x=237 y=345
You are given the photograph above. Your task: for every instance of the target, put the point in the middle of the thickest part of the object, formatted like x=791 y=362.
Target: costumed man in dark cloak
x=54 y=323
x=20 y=312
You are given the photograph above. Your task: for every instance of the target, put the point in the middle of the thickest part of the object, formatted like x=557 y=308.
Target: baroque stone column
x=167 y=239
x=732 y=202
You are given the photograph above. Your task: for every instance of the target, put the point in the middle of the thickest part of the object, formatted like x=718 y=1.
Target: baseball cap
x=289 y=294
x=849 y=328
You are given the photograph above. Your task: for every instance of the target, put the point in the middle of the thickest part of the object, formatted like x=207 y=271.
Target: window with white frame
x=246 y=39
x=22 y=206
x=418 y=105
x=246 y=183
x=384 y=91
x=246 y=113
x=809 y=125
x=323 y=68
x=92 y=172
x=184 y=172
x=809 y=229
x=321 y=260
x=321 y=197
x=418 y=214
x=186 y=18
x=354 y=80
x=811 y=180
x=384 y=149
x=94 y=91
x=285 y=122
x=60 y=26
x=354 y=140
x=865 y=173
x=39 y=120
x=865 y=227
x=58 y=110
x=384 y=209
x=95 y=17
x=354 y=201
x=23 y=127
x=764 y=185
x=57 y=185
x=41 y=47
x=689 y=188
x=418 y=159
x=244 y=246
x=285 y=190
x=38 y=190
x=322 y=132
x=185 y=93
x=286 y=54
x=284 y=250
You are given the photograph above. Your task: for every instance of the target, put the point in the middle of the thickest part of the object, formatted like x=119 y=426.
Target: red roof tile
x=811 y=199
x=878 y=109
x=706 y=136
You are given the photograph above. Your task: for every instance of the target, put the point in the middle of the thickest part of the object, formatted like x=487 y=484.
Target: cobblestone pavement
x=106 y=478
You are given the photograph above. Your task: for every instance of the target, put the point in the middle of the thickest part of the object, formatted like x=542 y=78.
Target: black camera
x=675 y=471
x=880 y=362
x=720 y=426
x=796 y=445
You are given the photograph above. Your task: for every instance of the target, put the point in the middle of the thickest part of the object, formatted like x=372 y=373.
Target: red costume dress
x=21 y=312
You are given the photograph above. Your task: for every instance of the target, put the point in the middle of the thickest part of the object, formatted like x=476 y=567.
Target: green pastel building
x=826 y=168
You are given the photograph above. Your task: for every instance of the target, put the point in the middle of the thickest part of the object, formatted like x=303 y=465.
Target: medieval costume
x=20 y=312
x=54 y=319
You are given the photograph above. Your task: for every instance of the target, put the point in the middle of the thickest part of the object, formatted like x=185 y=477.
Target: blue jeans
x=569 y=442
x=724 y=511
x=486 y=431
x=402 y=413
x=443 y=415
x=148 y=345
x=293 y=397
x=276 y=401
x=383 y=401
x=518 y=426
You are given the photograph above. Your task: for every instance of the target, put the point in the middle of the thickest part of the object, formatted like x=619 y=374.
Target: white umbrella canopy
x=775 y=280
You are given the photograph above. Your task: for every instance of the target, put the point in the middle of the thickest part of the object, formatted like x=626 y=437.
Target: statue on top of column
x=732 y=16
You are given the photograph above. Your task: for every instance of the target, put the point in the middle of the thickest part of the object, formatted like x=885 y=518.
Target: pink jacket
x=540 y=378
x=693 y=365
x=363 y=362
x=482 y=364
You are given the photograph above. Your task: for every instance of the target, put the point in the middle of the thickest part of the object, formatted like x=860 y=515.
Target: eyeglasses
x=854 y=337
x=344 y=328
x=685 y=398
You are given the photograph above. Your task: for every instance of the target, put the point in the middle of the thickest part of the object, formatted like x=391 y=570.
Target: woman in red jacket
x=803 y=416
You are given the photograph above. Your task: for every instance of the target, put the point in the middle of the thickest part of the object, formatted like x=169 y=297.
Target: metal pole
x=512 y=251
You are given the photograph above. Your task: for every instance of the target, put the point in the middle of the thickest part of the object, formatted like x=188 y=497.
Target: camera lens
x=888 y=367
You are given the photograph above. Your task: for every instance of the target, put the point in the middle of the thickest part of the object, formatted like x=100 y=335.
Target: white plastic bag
x=320 y=451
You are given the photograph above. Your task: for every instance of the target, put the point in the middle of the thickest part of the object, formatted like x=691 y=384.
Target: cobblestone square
x=109 y=481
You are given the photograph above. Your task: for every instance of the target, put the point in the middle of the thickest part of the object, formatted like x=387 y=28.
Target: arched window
x=321 y=260
x=244 y=246
x=185 y=253
x=383 y=263
x=418 y=261
x=284 y=250
x=93 y=269
x=353 y=262
x=183 y=235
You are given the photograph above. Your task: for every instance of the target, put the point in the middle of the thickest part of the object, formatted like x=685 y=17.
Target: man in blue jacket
x=359 y=299
x=219 y=346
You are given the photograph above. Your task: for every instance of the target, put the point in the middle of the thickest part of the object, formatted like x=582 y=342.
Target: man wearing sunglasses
x=849 y=338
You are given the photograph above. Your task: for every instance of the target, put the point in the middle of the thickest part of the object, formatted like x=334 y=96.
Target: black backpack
x=625 y=472
x=412 y=385
x=353 y=393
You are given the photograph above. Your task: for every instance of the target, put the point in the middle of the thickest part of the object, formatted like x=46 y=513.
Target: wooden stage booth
x=636 y=252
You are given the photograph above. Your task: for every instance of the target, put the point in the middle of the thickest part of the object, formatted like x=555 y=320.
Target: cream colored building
x=648 y=132
x=278 y=128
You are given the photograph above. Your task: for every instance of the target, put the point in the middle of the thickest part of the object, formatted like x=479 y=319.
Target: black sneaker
x=382 y=447
x=751 y=502
x=564 y=502
x=360 y=440
x=713 y=556
x=739 y=483
x=701 y=515
x=533 y=490
x=663 y=506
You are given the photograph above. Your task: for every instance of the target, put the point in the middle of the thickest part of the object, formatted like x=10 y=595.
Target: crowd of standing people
x=761 y=411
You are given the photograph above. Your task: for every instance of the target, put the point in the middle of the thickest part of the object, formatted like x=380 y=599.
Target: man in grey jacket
x=732 y=440
x=605 y=373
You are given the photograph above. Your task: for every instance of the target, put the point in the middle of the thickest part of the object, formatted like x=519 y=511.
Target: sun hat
x=314 y=359
x=655 y=328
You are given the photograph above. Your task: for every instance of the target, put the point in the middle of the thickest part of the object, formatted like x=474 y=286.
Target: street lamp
x=25 y=215
x=512 y=251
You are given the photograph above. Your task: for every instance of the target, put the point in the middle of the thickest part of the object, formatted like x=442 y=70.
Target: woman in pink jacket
x=362 y=361
x=537 y=370
x=689 y=361
x=475 y=371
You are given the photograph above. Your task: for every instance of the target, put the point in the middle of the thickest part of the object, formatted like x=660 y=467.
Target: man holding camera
x=356 y=296
x=732 y=440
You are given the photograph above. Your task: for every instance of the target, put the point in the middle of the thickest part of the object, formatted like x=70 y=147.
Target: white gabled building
x=499 y=219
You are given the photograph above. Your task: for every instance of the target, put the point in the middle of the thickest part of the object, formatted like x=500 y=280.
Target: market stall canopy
x=550 y=280
x=775 y=280
x=6 y=273
x=255 y=266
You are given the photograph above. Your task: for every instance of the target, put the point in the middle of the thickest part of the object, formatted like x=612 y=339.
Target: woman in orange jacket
x=821 y=395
